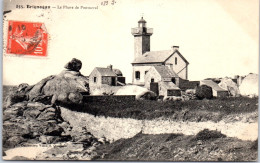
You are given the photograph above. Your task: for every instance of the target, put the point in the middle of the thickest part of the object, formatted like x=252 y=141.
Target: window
x=152 y=80
x=173 y=80
x=137 y=75
x=95 y=79
x=175 y=60
x=145 y=72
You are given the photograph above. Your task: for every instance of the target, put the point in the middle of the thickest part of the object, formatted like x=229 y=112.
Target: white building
x=144 y=58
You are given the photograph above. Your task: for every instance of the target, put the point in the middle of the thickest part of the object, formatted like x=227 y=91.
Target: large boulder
x=249 y=86
x=66 y=87
x=139 y=92
x=203 y=91
x=74 y=65
x=230 y=86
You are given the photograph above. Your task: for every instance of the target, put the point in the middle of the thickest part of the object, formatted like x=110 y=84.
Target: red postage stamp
x=27 y=38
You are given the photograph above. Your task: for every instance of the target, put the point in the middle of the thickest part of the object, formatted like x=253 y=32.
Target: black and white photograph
x=130 y=80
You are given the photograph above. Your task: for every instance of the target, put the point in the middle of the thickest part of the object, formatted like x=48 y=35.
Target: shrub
x=203 y=91
x=209 y=134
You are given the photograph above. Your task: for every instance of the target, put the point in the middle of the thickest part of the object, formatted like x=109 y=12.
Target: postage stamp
x=27 y=38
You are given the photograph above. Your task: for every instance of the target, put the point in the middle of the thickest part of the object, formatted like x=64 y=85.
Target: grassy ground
x=203 y=110
x=177 y=147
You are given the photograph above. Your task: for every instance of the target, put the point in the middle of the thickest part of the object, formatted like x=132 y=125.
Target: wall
x=98 y=83
x=186 y=84
x=141 y=45
x=107 y=80
x=118 y=128
x=162 y=90
x=152 y=73
x=180 y=65
x=142 y=70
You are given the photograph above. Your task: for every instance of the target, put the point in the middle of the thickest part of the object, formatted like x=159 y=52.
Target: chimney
x=110 y=67
x=175 y=48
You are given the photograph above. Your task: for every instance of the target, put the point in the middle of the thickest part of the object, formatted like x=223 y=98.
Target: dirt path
x=117 y=128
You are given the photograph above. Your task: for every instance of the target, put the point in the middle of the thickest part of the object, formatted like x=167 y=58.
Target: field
x=193 y=110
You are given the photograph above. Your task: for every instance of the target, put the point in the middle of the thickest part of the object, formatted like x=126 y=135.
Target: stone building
x=216 y=89
x=144 y=59
x=163 y=81
x=106 y=76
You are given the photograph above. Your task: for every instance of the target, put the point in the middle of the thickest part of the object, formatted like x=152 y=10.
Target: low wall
x=186 y=84
x=117 y=128
x=112 y=99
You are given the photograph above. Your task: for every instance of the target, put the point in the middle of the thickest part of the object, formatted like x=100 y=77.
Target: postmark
x=27 y=38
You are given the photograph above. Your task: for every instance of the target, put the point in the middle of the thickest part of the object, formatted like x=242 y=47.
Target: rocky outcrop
x=65 y=88
x=230 y=86
x=249 y=85
x=32 y=114
x=29 y=122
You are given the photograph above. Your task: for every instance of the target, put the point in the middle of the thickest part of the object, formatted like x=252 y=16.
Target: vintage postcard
x=123 y=80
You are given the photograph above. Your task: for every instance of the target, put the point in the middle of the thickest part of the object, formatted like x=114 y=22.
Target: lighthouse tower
x=141 y=38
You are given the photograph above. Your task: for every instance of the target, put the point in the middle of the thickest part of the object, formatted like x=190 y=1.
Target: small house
x=106 y=76
x=216 y=89
x=163 y=81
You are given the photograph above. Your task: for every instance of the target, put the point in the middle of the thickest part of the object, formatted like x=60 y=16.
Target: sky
x=219 y=38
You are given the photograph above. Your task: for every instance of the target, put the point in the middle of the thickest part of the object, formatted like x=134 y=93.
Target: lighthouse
x=141 y=38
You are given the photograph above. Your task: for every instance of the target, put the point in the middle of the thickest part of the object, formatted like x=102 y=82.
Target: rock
x=190 y=91
x=22 y=87
x=31 y=113
x=20 y=158
x=65 y=87
x=230 y=86
x=53 y=130
x=15 y=97
x=75 y=97
x=203 y=91
x=138 y=91
x=59 y=87
x=172 y=98
x=74 y=65
x=17 y=94
x=27 y=122
x=13 y=141
x=45 y=99
x=37 y=88
x=249 y=86
x=47 y=139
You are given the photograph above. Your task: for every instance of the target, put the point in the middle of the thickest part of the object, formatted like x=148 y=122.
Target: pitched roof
x=165 y=71
x=105 y=71
x=212 y=84
x=157 y=56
